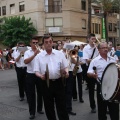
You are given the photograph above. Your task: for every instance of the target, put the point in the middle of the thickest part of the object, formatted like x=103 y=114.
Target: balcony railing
x=53 y=8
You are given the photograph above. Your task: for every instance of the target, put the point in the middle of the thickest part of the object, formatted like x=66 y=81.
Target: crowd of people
x=49 y=73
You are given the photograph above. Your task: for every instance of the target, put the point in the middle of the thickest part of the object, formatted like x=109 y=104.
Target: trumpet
x=76 y=67
x=97 y=40
x=37 y=47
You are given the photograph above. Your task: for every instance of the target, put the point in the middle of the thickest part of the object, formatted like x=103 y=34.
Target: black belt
x=22 y=67
x=54 y=79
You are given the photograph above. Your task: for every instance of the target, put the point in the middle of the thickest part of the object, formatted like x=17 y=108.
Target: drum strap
x=92 y=55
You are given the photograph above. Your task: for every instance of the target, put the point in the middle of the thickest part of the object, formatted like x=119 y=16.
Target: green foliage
x=15 y=29
x=107 y=5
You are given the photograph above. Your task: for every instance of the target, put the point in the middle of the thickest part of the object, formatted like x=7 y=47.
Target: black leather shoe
x=93 y=110
x=71 y=113
x=75 y=99
x=40 y=112
x=32 y=117
x=21 y=99
x=81 y=100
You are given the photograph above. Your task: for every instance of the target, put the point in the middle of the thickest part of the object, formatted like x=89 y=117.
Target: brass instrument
x=47 y=75
x=76 y=67
x=37 y=47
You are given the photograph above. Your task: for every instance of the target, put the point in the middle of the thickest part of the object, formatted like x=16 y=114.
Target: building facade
x=62 y=18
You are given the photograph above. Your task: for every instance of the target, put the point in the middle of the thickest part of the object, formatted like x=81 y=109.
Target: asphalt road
x=12 y=109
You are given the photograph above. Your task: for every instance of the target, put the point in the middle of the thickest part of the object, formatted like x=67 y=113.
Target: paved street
x=12 y=109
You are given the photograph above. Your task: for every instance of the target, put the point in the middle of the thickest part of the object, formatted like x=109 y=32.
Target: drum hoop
x=103 y=76
x=116 y=91
x=105 y=71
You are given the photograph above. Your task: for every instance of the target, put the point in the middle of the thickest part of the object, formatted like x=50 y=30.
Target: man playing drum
x=96 y=69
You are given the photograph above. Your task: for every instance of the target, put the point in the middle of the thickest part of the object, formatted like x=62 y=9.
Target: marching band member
x=79 y=80
x=89 y=52
x=33 y=83
x=48 y=67
x=21 y=70
x=100 y=62
x=111 y=51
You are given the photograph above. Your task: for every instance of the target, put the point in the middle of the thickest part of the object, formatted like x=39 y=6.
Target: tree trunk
x=106 y=26
x=89 y=17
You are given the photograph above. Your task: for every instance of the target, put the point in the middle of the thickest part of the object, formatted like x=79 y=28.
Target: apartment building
x=63 y=18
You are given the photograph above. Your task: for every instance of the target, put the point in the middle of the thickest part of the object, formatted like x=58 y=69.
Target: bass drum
x=110 y=86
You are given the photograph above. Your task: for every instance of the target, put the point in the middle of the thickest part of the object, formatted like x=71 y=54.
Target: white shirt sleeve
x=37 y=64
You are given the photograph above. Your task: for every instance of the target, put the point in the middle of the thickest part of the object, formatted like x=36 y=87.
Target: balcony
x=53 y=8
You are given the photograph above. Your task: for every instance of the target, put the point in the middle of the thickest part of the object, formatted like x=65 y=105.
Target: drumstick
x=98 y=80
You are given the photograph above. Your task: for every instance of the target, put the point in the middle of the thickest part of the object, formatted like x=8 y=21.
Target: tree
x=106 y=6
x=15 y=29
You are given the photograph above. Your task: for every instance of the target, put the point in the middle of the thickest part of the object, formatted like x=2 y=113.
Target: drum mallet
x=98 y=80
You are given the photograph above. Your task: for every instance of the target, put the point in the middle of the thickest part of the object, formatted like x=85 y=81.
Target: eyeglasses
x=46 y=42
x=21 y=46
x=35 y=42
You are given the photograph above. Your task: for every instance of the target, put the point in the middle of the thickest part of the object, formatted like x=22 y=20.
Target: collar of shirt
x=108 y=57
x=45 y=53
x=89 y=47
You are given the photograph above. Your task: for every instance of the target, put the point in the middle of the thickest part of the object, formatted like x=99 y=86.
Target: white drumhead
x=109 y=81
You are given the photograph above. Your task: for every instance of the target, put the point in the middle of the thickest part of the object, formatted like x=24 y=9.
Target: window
x=83 y=24
x=3 y=10
x=54 y=22
x=53 y=6
x=114 y=27
x=110 y=26
x=96 y=28
x=54 y=25
x=0 y=11
x=21 y=6
x=83 y=4
x=12 y=8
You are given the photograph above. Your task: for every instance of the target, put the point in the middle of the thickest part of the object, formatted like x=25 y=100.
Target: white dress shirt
x=20 y=63
x=30 y=66
x=100 y=65
x=55 y=61
x=88 y=51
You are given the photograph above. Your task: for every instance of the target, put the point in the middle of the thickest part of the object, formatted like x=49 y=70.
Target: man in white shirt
x=49 y=66
x=100 y=64
x=90 y=51
x=33 y=83
x=21 y=70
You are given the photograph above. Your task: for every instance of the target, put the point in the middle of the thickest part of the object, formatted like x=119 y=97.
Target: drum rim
x=103 y=76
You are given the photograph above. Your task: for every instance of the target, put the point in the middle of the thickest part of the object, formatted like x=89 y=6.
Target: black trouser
x=69 y=91
x=55 y=94
x=21 y=77
x=33 y=87
x=84 y=72
x=79 y=80
x=102 y=107
x=91 y=87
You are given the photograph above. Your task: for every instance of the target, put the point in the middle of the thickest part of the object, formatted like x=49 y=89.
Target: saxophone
x=76 y=67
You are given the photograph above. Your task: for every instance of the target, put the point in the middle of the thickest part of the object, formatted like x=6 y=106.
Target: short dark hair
x=91 y=35
x=21 y=42
x=46 y=37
